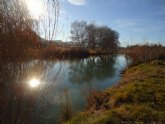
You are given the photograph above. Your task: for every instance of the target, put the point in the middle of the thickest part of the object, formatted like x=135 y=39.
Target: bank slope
x=138 y=98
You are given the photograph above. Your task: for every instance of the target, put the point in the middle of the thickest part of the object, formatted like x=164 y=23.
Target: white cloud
x=77 y=2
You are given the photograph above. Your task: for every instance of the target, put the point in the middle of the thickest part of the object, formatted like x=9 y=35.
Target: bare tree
x=48 y=23
x=92 y=36
x=78 y=31
x=19 y=33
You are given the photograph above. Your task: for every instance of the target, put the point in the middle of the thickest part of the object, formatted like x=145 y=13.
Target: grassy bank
x=138 y=98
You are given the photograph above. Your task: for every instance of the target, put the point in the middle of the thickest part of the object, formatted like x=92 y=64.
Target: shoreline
x=137 y=94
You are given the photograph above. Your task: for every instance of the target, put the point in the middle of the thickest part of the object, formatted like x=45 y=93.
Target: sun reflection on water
x=34 y=82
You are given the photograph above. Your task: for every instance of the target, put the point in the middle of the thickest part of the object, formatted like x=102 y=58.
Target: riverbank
x=70 y=53
x=54 y=54
x=138 y=98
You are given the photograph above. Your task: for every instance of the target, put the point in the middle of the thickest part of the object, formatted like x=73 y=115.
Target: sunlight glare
x=34 y=83
x=35 y=8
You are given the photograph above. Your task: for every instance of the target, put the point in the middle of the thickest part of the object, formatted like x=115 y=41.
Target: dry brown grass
x=53 y=52
x=146 y=52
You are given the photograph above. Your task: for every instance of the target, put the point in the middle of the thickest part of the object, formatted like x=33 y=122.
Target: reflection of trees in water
x=17 y=100
x=88 y=69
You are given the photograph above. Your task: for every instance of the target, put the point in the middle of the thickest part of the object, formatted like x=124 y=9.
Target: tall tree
x=17 y=33
x=91 y=30
x=78 y=31
x=92 y=36
x=108 y=39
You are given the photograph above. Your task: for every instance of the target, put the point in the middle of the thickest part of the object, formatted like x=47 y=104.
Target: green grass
x=138 y=98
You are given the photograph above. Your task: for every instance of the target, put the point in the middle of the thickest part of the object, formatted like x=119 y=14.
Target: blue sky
x=137 y=21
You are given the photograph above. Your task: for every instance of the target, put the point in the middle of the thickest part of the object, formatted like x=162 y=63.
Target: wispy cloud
x=77 y=2
x=63 y=14
x=141 y=25
x=125 y=23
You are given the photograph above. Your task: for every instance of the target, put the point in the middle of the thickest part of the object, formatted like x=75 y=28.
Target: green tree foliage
x=92 y=36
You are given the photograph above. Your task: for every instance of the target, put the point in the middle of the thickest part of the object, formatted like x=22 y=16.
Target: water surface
x=62 y=83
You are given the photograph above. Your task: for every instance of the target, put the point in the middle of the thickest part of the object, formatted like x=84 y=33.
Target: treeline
x=146 y=52
x=94 y=37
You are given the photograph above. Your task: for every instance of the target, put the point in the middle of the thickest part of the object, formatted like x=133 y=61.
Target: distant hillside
x=58 y=43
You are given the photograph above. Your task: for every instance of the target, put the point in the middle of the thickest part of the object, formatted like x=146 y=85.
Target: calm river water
x=55 y=85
